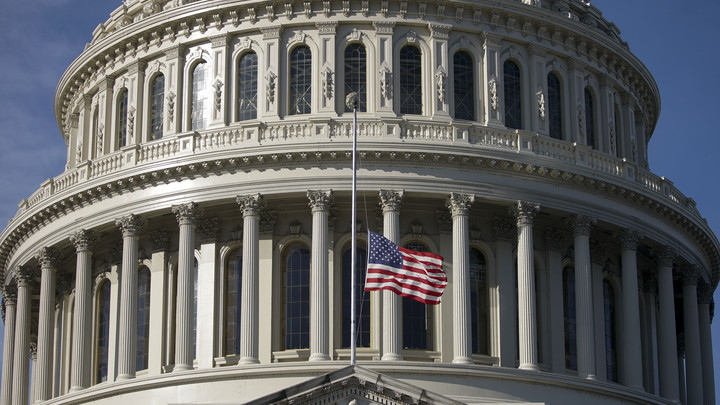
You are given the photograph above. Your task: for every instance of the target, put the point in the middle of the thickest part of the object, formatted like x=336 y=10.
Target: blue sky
x=677 y=41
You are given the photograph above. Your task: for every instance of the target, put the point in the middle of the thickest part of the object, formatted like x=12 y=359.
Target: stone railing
x=472 y=138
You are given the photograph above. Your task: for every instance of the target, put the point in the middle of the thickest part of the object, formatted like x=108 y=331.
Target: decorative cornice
x=130 y=225
x=84 y=240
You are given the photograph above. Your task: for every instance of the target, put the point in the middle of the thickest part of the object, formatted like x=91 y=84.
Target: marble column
x=319 y=289
x=130 y=226
x=84 y=241
x=391 y=201
x=33 y=367
x=706 y=349
x=693 y=357
x=524 y=213
x=186 y=215
x=632 y=349
x=581 y=226
x=249 y=320
x=10 y=297
x=667 y=340
x=48 y=259
x=23 y=277
x=459 y=205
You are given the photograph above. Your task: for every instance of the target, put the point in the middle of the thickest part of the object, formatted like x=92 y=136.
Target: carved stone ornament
x=47 y=257
x=24 y=275
x=540 y=104
x=209 y=229
x=524 y=212
x=444 y=220
x=581 y=224
x=505 y=230
x=78 y=151
x=459 y=204
x=171 y=107
x=493 y=89
x=553 y=238
x=152 y=7
x=160 y=240
x=99 y=144
x=629 y=239
x=354 y=35
x=416 y=228
x=320 y=200
x=690 y=274
x=613 y=137
x=131 y=124
x=295 y=228
x=666 y=256
x=218 y=85
x=598 y=254
x=327 y=82
x=270 y=86
x=581 y=117
x=84 y=240
x=440 y=84
x=391 y=200
x=267 y=220
x=250 y=204
x=236 y=233
x=186 y=214
x=385 y=82
x=130 y=225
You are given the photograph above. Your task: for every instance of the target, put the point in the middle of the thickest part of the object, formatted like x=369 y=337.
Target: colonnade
x=18 y=293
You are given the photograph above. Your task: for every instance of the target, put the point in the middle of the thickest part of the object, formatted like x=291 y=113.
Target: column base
x=182 y=367
x=529 y=366
x=249 y=360
x=391 y=357
x=76 y=388
x=319 y=357
x=463 y=360
x=592 y=377
x=123 y=377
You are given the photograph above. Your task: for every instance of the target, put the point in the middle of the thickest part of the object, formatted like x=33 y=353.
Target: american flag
x=405 y=272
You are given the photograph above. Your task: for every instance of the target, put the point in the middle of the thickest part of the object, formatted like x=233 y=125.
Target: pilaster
x=384 y=66
x=219 y=81
x=271 y=73
x=174 y=87
x=440 y=69
x=492 y=80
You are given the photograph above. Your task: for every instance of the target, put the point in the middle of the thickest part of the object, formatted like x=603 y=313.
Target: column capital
x=524 y=212
x=32 y=349
x=459 y=204
x=250 y=204
x=666 y=256
x=84 y=240
x=391 y=200
x=505 y=230
x=704 y=293
x=320 y=200
x=553 y=238
x=581 y=224
x=24 y=275
x=691 y=274
x=130 y=225
x=48 y=257
x=629 y=239
x=186 y=214
x=10 y=294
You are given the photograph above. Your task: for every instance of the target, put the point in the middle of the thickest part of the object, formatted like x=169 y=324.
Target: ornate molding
x=10 y=294
x=690 y=275
x=505 y=229
x=48 y=258
x=444 y=220
x=391 y=200
x=186 y=214
x=666 y=256
x=581 y=224
x=320 y=200
x=130 y=225
x=460 y=204
x=524 y=212
x=251 y=204
x=160 y=240
x=553 y=238
x=84 y=240
x=25 y=275
x=629 y=239
x=209 y=229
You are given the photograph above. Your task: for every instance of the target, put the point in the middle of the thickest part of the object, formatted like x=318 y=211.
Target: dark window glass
x=362 y=305
x=569 y=315
x=297 y=297
x=247 y=87
x=355 y=74
x=513 y=95
x=410 y=80
x=464 y=82
x=300 y=81
x=103 y=332
x=416 y=315
x=554 y=103
x=478 y=302
x=122 y=114
x=233 y=273
x=143 y=318
x=589 y=118
x=200 y=101
x=610 y=332
x=157 y=107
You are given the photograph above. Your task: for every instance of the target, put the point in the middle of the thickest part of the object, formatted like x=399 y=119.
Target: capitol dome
x=196 y=249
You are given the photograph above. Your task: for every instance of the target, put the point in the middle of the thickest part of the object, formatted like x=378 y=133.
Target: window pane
x=610 y=332
x=103 y=332
x=410 y=80
x=554 y=106
x=300 y=81
x=355 y=74
x=478 y=302
x=200 y=101
x=233 y=290
x=464 y=82
x=589 y=118
x=297 y=297
x=362 y=303
x=247 y=87
x=513 y=98
x=569 y=315
x=158 y=105
x=143 y=318
x=122 y=112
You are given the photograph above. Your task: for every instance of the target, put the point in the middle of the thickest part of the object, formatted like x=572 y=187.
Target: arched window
x=464 y=83
x=554 y=104
x=157 y=107
x=102 y=344
x=122 y=114
x=300 y=94
x=143 y=318
x=233 y=290
x=200 y=101
x=362 y=305
x=356 y=74
x=610 y=332
x=416 y=315
x=589 y=118
x=297 y=297
x=247 y=87
x=478 y=302
x=569 y=318
x=513 y=95
x=410 y=80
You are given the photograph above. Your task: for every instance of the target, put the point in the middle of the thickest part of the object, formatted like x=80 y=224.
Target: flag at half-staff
x=412 y=274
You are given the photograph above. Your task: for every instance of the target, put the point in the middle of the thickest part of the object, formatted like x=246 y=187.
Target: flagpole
x=352 y=101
